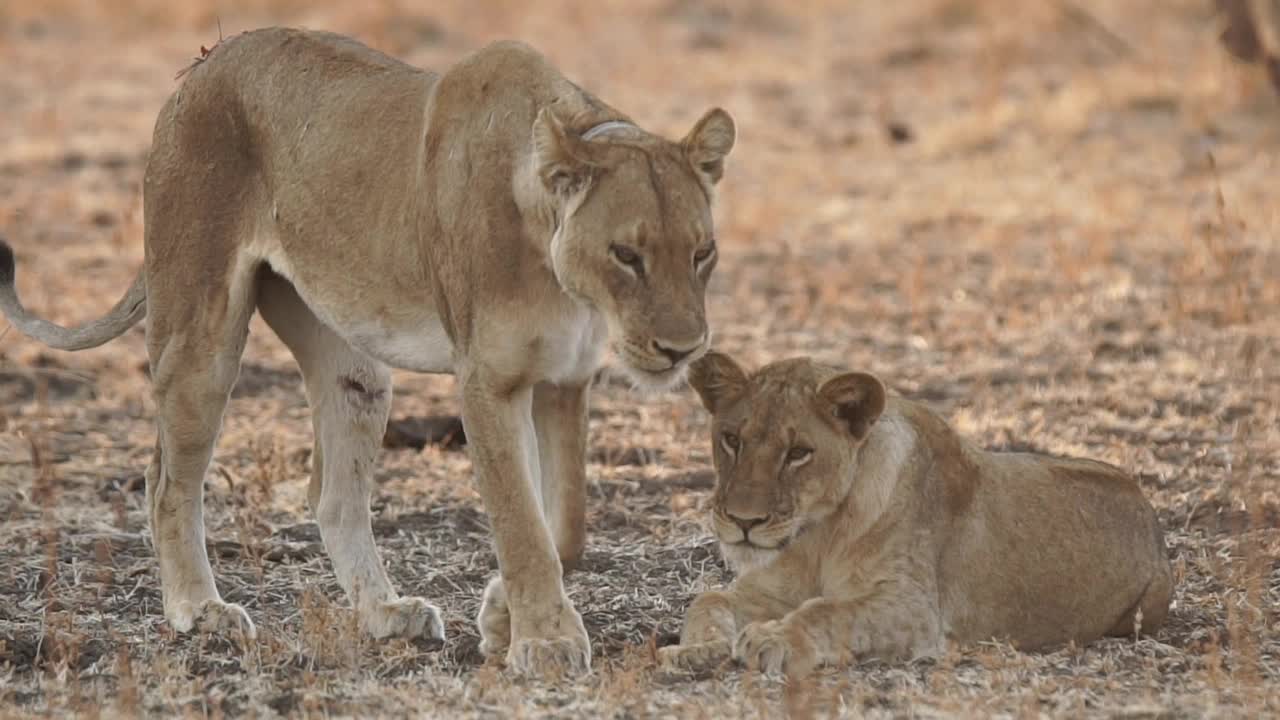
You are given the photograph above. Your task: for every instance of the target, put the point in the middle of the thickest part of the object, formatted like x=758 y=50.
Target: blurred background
x=1063 y=128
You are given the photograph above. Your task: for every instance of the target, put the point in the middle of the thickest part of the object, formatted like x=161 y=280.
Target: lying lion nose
x=675 y=352
x=747 y=523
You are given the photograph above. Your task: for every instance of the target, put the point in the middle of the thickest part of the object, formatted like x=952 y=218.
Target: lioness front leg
x=888 y=626
x=560 y=421
x=546 y=633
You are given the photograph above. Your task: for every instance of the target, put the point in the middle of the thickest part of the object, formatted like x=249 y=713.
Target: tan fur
x=381 y=216
x=895 y=535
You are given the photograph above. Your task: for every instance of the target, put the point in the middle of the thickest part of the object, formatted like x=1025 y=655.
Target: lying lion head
x=633 y=234
x=784 y=441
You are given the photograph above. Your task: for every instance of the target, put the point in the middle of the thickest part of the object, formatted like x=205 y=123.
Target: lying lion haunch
x=863 y=525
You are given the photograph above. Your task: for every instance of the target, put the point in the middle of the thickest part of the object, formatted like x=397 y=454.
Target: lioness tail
x=128 y=311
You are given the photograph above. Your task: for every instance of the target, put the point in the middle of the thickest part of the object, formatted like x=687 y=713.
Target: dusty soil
x=1056 y=222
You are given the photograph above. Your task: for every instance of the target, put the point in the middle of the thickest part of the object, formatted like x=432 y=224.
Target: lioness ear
x=716 y=378
x=563 y=165
x=709 y=142
x=856 y=400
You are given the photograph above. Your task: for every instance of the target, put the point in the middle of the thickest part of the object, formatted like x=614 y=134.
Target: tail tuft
x=6 y=264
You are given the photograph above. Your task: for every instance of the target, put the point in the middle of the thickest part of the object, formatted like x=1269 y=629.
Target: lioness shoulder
x=863 y=525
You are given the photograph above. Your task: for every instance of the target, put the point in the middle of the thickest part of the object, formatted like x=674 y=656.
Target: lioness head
x=784 y=441
x=633 y=234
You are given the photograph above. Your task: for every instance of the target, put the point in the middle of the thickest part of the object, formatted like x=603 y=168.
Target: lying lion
x=863 y=525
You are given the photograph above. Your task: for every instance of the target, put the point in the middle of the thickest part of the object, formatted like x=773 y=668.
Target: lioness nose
x=746 y=523
x=676 y=352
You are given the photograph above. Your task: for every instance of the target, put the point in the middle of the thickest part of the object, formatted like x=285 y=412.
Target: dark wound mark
x=350 y=384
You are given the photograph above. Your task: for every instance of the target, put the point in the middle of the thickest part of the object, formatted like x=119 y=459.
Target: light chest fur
x=569 y=348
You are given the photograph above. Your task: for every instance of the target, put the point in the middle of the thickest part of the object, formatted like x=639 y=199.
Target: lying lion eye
x=703 y=254
x=627 y=256
x=730 y=442
x=798 y=454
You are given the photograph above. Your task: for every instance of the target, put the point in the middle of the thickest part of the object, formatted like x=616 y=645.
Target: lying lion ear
x=563 y=166
x=856 y=400
x=709 y=142
x=716 y=378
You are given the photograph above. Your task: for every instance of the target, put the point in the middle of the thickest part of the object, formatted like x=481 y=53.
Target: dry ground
x=1059 y=227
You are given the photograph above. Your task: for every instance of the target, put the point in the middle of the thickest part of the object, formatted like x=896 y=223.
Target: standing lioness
x=863 y=525
x=495 y=222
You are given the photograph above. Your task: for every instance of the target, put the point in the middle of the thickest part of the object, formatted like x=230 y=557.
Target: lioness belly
x=395 y=326
x=424 y=348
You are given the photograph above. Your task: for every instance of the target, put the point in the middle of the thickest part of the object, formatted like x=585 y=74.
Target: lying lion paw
x=774 y=648
x=408 y=617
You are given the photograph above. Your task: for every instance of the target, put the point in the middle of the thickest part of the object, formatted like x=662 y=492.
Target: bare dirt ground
x=1055 y=221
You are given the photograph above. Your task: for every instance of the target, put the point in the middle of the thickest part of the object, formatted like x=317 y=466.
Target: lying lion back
x=1042 y=550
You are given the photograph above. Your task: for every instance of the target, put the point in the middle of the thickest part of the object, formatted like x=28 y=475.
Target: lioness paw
x=214 y=617
x=408 y=617
x=550 y=659
x=696 y=658
x=551 y=649
x=770 y=648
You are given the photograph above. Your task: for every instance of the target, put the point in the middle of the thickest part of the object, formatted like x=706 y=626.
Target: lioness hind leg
x=350 y=397
x=195 y=358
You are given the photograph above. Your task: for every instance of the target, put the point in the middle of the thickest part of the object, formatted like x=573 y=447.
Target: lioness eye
x=703 y=254
x=731 y=442
x=627 y=256
x=798 y=454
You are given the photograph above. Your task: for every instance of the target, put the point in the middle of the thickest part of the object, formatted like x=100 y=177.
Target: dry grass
x=1060 y=239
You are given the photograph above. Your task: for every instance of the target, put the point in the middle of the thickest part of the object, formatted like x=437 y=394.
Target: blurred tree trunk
x=1252 y=33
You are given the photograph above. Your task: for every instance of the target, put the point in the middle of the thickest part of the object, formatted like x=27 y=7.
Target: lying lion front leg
x=711 y=625
x=350 y=398
x=888 y=626
x=546 y=635
x=707 y=637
